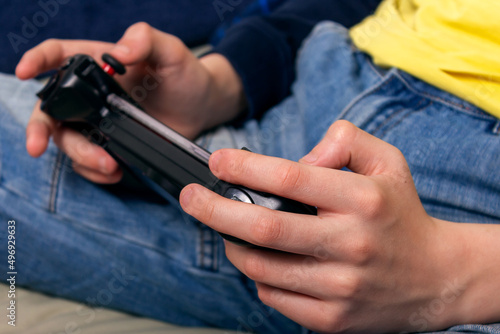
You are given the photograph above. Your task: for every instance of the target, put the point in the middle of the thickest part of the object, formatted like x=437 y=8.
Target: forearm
x=225 y=99
x=477 y=262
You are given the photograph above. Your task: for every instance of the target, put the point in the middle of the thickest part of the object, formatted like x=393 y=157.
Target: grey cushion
x=41 y=314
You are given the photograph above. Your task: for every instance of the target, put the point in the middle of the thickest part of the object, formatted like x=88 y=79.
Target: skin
x=372 y=260
x=204 y=92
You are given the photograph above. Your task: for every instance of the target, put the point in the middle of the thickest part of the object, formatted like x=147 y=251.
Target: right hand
x=186 y=93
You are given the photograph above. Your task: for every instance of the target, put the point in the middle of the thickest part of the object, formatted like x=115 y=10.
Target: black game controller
x=81 y=92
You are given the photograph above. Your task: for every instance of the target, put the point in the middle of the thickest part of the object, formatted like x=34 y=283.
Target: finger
x=340 y=238
x=97 y=177
x=297 y=273
x=141 y=42
x=38 y=131
x=258 y=225
x=52 y=53
x=312 y=313
x=300 y=182
x=84 y=153
x=345 y=145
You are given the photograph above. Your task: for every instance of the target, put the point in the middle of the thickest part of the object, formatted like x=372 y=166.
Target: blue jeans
x=113 y=247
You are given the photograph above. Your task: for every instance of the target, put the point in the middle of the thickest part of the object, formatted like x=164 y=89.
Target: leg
x=109 y=247
x=452 y=147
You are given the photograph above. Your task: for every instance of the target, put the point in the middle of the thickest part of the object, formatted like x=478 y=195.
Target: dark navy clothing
x=262 y=46
x=118 y=249
x=263 y=49
x=26 y=23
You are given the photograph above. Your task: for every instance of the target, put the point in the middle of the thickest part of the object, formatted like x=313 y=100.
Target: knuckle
x=270 y=295
x=52 y=42
x=207 y=208
x=362 y=251
x=290 y=176
x=332 y=319
x=80 y=152
x=374 y=201
x=265 y=296
x=398 y=155
x=267 y=230
x=342 y=131
x=141 y=28
x=400 y=168
x=233 y=167
x=254 y=268
x=346 y=284
x=349 y=286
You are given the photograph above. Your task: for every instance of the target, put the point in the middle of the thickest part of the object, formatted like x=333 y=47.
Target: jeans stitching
x=375 y=69
x=371 y=90
x=54 y=183
x=215 y=256
x=496 y=128
x=202 y=246
x=421 y=105
x=456 y=106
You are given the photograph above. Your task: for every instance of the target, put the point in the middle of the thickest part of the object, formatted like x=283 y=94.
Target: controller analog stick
x=111 y=65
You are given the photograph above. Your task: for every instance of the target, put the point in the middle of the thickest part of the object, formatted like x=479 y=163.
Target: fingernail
x=309 y=158
x=103 y=166
x=214 y=161
x=28 y=137
x=122 y=49
x=186 y=196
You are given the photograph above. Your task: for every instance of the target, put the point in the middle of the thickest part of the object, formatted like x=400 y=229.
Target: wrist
x=470 y=272
x=480 y=272
x=225 y=99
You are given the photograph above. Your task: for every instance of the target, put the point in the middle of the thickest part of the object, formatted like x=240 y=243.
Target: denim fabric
x=112 y=247
x=106 y=246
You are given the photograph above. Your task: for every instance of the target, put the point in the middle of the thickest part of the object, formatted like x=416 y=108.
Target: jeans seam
x=370 y=90
x=201 y=259
x=421 y=105
x=215 y=252
x=372 y=66
x=496 y=128
x=84 y=225
x=385 y=122
x=451 y=104
x=54 y=182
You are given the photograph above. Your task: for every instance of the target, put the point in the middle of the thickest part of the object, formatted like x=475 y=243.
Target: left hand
x=370 y=258
x=188 y=94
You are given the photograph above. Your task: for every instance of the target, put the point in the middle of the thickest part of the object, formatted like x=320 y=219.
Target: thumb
x=345 y=145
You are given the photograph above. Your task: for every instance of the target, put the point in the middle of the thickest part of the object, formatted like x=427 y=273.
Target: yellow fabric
x=452 y=44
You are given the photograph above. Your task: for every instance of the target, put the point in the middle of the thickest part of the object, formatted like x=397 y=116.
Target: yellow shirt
x=452 y=44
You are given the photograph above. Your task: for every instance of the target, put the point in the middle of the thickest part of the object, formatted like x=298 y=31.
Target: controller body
x=81 y=92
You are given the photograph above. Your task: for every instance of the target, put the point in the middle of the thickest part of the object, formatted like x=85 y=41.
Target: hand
x=372 y=260
x=188 y=94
